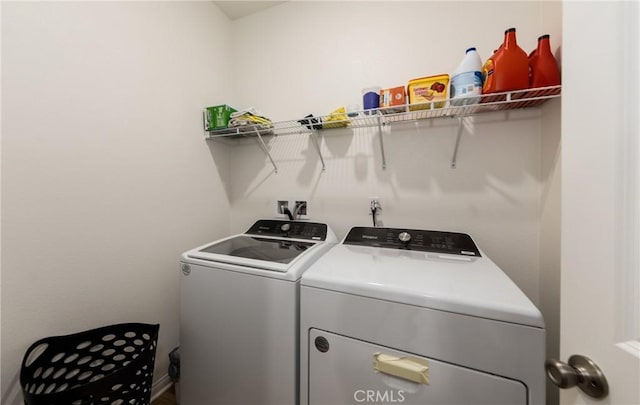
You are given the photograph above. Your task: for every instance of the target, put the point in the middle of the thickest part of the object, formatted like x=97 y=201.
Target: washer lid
x=472 y=286
x=248 y=250
x=282 y=249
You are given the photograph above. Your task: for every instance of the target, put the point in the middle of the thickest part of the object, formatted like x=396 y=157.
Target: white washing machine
x=239 y=315
x=417 y=317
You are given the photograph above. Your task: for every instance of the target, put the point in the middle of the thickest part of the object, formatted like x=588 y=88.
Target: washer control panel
x=289 y=229
x=413 y=239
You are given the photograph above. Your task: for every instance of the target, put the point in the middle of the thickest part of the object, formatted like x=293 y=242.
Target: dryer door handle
x=407 y=368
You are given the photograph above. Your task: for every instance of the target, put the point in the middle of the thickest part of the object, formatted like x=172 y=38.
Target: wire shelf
x=452 y=108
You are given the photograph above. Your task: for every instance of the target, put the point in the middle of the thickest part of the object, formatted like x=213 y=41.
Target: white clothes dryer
x=239 y=314
x=417 y=317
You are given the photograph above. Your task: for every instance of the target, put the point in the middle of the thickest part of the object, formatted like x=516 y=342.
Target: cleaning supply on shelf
x=544 y=67
x=371 y=98
x=508 y=68
x=337 y=118
x=428 y=92
x=217 y=117
x=353 y=110
x=394 y=97
x=311 y=122
x=466 y=80
x=249 y=117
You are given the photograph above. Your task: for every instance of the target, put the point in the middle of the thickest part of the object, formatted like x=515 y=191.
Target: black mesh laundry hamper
x=109 y=365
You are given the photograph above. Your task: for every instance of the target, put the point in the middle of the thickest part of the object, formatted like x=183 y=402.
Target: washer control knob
x=404 y=237
x=285 y=227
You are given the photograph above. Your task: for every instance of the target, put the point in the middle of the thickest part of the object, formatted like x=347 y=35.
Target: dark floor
x=167 y=398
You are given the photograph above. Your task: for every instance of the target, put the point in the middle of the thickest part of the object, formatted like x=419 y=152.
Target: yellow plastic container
x=431 y=89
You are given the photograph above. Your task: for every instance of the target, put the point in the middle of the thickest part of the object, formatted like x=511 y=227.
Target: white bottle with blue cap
x=466 y=80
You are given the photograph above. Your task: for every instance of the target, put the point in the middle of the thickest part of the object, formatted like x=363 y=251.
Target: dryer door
x=350 y=371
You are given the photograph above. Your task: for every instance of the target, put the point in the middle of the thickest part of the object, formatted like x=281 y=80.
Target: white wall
x=106 y=178
x=320 y=54
x=550 y=175
x=305 y=57
x=550 y=232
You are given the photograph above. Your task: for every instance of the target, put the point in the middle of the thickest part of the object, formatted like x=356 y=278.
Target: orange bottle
x=544 y=67
x=508 y=68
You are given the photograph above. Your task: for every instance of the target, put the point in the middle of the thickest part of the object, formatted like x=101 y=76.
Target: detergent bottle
x=508 y=68
x=544 y=67
x=466 y=80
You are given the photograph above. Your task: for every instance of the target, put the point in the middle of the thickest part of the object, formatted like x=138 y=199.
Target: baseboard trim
x=160 y=386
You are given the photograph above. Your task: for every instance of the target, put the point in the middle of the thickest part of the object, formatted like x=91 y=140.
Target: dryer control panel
x=413 y=239
x=289 y=229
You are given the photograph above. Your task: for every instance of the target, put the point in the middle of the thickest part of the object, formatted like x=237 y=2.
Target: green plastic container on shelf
x=217 y=117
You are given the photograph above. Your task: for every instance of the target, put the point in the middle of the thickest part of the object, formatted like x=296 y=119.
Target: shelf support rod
x=458 y=136
x=384 y=159
x=265 y=150
x=314 y=137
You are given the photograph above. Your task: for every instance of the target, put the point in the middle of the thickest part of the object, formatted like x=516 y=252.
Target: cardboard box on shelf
x=217 y=117
x=395 y=96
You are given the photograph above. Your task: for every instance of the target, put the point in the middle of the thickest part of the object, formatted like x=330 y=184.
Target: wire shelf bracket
x=454 y=158
x=266 y=150
x=314 y=140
